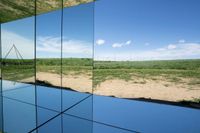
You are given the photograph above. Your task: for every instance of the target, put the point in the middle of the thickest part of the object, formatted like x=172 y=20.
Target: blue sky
x=150 y=25
x=124 y=30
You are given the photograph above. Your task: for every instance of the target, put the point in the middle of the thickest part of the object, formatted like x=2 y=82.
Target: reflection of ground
x=82 y=83
x=174 y=80
x=156 y=88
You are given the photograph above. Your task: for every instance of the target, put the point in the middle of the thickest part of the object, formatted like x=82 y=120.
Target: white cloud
x=181 y=41
x=119 y=45
x=171 y=46
x=24 y=45
x=177 y=51
x=100 y=42
x=53 y=45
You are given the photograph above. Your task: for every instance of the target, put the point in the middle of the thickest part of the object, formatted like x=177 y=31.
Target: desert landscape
x=175 y=80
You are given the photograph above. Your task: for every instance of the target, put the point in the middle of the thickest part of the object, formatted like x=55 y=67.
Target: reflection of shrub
x=17 y=62
x=73 y=66
x=65 y=61
x=17 y=69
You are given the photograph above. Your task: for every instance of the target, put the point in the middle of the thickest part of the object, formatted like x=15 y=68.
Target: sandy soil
x=161 y=90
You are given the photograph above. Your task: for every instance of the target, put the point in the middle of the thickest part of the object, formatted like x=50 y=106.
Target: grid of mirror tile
x=21 y=115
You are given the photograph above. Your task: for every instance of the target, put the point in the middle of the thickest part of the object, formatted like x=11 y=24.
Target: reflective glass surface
x=111 y=115
x=78 y=66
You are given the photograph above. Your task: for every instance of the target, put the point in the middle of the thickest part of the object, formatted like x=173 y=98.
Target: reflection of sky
x=77 y=34
x=20 y=33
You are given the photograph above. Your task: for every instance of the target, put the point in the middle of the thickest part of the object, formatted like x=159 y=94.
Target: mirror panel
x=77 y=61
x=48 y=57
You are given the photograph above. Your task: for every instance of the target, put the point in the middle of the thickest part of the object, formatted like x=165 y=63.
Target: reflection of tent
x=19 y=56
x=18 y=59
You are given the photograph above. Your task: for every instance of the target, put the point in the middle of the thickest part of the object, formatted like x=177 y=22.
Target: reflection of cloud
x=100 y=42
x=24 y=45
x=119 y=45
x=181 y=41
x=170 y=52
x=53 y=45
x=171 y=46
x=128 y=42
x=46 y=46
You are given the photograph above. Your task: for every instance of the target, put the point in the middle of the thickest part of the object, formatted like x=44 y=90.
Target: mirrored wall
x=47 y=66
x=55 y=54
x=18 y=72
x=48 y=58
x=77 y=61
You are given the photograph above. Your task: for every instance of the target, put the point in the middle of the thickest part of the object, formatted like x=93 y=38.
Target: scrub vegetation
x=15 y=69
x=172 y=70
x=170 y=73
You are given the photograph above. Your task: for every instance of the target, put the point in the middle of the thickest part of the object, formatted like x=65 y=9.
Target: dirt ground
x=154 y=89
x=161 y=90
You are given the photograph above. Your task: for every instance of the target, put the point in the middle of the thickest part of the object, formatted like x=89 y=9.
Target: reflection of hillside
x=16 y=9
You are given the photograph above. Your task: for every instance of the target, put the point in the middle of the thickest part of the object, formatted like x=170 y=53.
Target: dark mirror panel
x=18 y=67
x=48 y=60
x=18 y=114
x=53 y=126
x=76 y=125
x=139 y=116
x=24 y=93
x=77 y=64
x=85 y=105
x=48 y=49
x=77 y=48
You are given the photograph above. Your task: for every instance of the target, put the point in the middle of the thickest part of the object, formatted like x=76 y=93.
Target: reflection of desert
x=156 y=88
x=81 y=83
x=176 y=80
